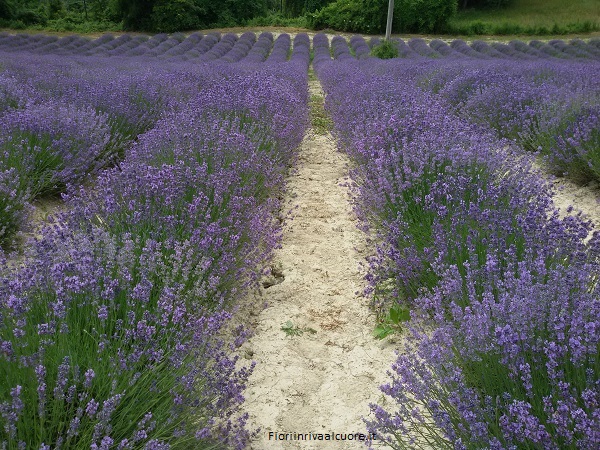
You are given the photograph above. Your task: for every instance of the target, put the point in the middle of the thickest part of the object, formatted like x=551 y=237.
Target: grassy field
x=537 y=17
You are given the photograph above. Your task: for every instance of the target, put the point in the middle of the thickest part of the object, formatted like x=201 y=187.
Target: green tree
x=180 y=15
x=489 y=3
x=315 y=5
x=293 y=8
x=423 y=16
x=176 y=15
x=6 y=9
x=358 y=16
x=55 y=9
x=102 y=10
x=369 y=16
x=136 y=14
x=230 y=12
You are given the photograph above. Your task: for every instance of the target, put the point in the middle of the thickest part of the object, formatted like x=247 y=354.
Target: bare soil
x=320 y=375
x=583 y=199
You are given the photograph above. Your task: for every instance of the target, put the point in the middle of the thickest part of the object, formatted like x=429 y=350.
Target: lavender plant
x=112 y=330
x=280 y=49
x=576 y=151
x=95 y=354
x=13 y=206
x=359 y=46
x=51 y=145
x=517 y=369
x=503 y=348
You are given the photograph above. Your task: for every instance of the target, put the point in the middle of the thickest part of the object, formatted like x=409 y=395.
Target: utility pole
x=388 y=28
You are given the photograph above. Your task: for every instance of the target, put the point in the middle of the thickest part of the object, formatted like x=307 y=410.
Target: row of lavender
x=76 y=116
x=110 y=328
x=195 y=47
x=63 y=123
x=503 y=344
x=230 y=47
x=548 y=108
x=418 y=48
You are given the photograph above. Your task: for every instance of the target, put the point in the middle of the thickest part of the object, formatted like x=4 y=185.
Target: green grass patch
x=277 y=20
x=529 y=17
x=319 y=118
x=385 y=50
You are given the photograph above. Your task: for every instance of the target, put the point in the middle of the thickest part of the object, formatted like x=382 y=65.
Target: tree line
x=363 y=16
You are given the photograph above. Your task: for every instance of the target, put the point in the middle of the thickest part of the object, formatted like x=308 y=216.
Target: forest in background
x=465 y=17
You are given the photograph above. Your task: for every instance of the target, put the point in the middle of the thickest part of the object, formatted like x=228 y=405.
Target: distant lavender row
x=109 y=331
x=195 y=47
x=545 y=106
x=127 y=101
x=504 y=338
x=458 y=49
x=64 y=121
x=418 y=48
x=231 y=48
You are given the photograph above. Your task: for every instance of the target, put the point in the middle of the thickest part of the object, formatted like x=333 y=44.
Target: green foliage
x=485 y=3
x=68 y=24
x=277 y=20
x=351 y=15
x=135 y=13
x=6 y=10
x=527 y=17
x=31 y=17
x=392 y=321
x=61 y=15
x=55 y=9
x=103 y=10
x=230 y=12
x=292 y=8
x=175 y=15
x=423 y=16
x=385 y=50
x=369 y=16
x=315 y=5
x=294 y=330
x=181 y=15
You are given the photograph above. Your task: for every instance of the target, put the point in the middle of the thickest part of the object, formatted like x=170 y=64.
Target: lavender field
x=503 y=341
x=171 y=156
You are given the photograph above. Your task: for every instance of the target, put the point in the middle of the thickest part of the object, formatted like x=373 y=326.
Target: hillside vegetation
x=455 y=17
x=530 y=17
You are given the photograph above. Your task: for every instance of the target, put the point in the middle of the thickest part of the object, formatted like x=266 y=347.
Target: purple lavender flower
x=116 y=311
x=503 y=294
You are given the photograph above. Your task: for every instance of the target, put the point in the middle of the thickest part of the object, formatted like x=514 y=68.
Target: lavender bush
x=281 y=47
x=359 y=46
x=504 y=344
x=518 y=368
x=52 y=145
x=13 y=205
x=95 y=355
x=576 y=151
x=540 y=105
x=113 y=329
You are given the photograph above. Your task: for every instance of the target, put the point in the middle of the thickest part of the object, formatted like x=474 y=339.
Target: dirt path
x=320 y=375
x=582 y=198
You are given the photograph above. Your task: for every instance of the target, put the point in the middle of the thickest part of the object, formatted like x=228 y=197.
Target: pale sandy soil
x=584 y=199
x=317 y=382
x=323 y=382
